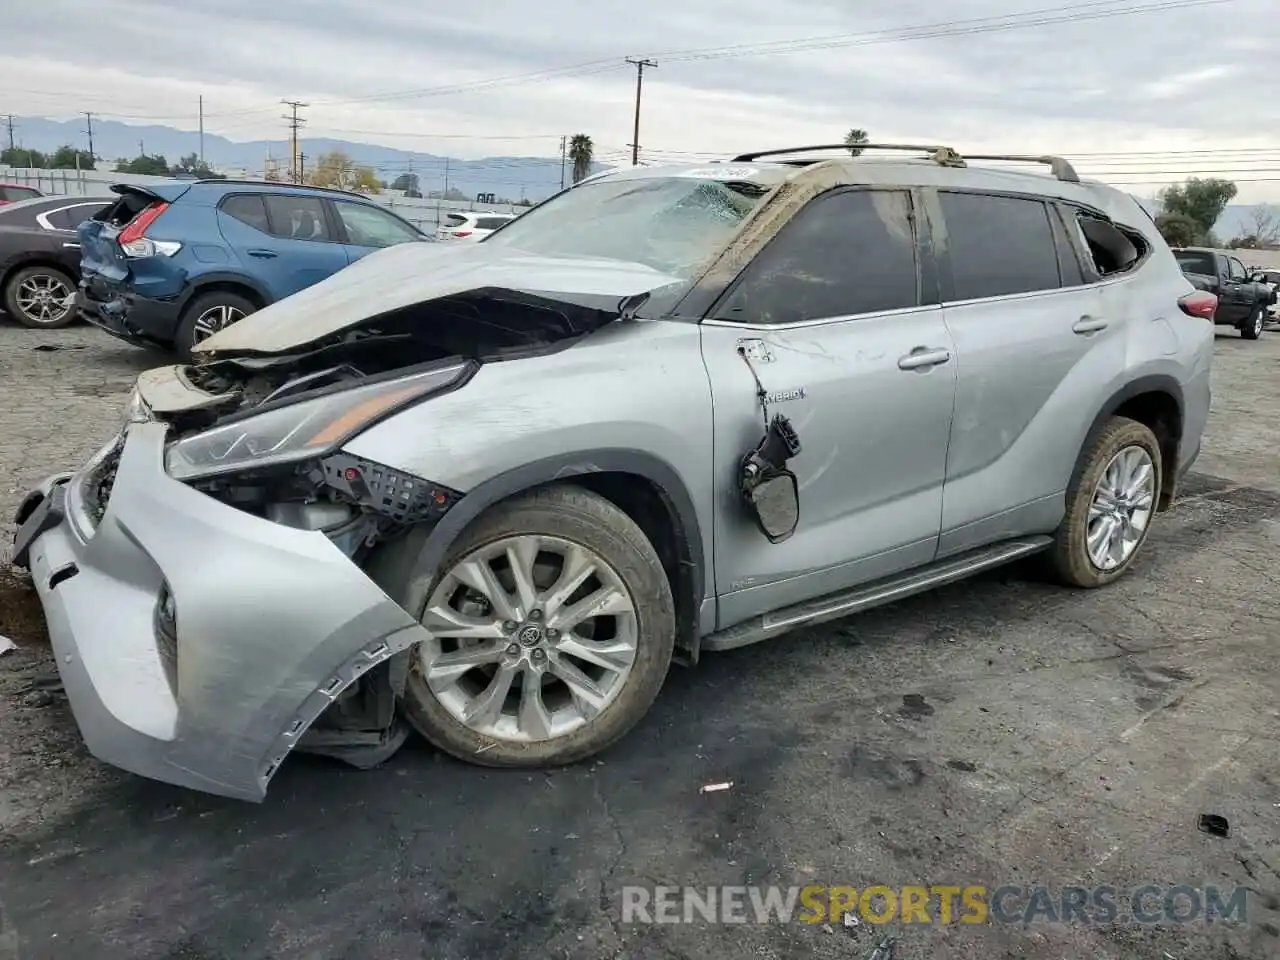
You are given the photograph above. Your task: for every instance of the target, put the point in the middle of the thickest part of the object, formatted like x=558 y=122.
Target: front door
x=829 y=320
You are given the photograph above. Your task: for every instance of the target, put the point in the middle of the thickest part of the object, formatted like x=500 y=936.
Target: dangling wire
x=761 y=393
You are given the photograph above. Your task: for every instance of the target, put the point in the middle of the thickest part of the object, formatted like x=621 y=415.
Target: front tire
x=41 y=297
x=1111 y=502
x=206 y=315
x=1251 y=329
x=552 y=625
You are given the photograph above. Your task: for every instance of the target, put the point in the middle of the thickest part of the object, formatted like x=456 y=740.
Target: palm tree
x=854 y=137
x=581 y=150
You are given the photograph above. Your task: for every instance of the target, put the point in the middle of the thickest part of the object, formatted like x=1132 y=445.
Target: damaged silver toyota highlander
x=491 y=491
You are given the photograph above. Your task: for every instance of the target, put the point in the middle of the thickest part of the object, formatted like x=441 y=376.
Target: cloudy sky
x=1140 y=99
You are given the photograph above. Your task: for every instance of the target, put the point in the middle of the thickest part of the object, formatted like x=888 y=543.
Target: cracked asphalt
x=999 y=731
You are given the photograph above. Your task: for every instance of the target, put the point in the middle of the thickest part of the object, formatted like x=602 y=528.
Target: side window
x=1235 y=269
x=297 y=218
x=846 y=253
x=1111 y=248
x=248 y=209
x=998 y=245
x=80 y=213
x=368 y=227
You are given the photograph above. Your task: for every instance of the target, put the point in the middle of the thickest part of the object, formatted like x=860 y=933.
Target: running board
x=846 y=602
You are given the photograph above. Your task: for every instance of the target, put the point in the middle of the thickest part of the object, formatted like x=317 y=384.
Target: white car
x=471 y=226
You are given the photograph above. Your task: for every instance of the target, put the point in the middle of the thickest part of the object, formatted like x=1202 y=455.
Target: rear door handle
x=922 y=357
x=72 y=246
x=1087 y=325
x=262 y=254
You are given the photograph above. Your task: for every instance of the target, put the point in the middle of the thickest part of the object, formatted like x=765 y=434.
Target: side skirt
x=880 y=592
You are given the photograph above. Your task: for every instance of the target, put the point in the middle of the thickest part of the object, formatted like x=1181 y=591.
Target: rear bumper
x=137 y=320
x=272 y=624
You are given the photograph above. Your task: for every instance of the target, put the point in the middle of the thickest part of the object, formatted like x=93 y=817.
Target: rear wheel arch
x=1156 y=401
x=642 y=485
x=8 y=269
x=229 y=283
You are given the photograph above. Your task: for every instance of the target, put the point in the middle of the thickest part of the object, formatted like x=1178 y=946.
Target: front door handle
x=1086 y=325
x=262 y=254
x=922 y=357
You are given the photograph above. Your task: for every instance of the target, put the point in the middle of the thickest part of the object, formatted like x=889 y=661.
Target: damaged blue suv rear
x=170 y=264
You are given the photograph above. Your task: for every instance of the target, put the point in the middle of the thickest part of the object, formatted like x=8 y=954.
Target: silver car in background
x=491 y=491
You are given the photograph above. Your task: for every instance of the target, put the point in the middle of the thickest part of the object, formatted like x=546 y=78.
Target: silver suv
x=492 y=490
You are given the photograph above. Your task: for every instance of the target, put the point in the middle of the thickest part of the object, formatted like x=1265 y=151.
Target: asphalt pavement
x=997 y=732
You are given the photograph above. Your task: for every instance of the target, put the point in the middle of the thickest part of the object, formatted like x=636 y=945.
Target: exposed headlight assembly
x=300 y=430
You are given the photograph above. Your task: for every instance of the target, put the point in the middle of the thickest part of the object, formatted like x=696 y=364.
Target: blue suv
x=169 y=264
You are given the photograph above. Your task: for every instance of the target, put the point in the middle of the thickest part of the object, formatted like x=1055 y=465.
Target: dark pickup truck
x=1243 y=298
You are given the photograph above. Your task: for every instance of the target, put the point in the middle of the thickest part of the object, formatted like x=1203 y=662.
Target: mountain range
x=511 y=177
x=508 y=177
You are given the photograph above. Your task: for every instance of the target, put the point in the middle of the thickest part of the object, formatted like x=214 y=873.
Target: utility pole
x=202 y=129
x=10 y=120
x=446 y=179
x=302 y=167
x=141 y=150
x=294 y=124
x=635 y=140
x=564 y=145
x=89 y=130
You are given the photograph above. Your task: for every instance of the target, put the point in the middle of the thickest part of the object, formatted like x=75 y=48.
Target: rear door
x=829 y=321
x=1033 y=343
x=286 y=241
x=366 y=229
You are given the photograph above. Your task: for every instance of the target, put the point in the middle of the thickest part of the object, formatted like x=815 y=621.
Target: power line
x=948 y=28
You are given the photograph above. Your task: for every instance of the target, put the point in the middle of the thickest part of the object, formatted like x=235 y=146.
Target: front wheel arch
x=642 y=485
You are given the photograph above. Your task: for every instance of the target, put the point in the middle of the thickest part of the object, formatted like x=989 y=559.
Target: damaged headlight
x=300 y=430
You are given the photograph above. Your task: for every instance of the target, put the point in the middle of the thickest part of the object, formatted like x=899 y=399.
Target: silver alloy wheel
x=1259 y=321
x=215 y=319
x=44 y=298
x=1122 y=505
x=532 y=637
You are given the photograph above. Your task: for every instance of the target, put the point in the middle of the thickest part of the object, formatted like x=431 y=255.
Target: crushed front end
x=201 y=574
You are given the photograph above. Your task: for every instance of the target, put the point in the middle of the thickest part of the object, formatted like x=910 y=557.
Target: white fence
x=421 y=212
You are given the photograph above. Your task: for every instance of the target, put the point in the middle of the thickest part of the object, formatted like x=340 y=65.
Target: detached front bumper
x=270 y=625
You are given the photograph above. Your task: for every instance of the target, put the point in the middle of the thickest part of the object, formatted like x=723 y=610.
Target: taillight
x=1199 y=304
x=137 y=227
x=462 y=233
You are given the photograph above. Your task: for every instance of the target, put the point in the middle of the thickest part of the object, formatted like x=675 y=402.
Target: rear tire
x=1102 y=532
x=549 y=702
x=1251 y=329
x=206 y=315
x=36 y=297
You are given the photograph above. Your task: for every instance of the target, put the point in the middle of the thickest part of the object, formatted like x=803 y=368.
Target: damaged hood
x=414 y=273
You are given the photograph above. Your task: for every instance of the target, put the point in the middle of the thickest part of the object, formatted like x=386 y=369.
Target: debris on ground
x=715 y=787
x=883 y=950
x=6 y=645
x=1215 y=825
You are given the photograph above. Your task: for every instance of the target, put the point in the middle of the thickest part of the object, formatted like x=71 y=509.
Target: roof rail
x=279 y=184
x=1060 y=167
x=943 y=156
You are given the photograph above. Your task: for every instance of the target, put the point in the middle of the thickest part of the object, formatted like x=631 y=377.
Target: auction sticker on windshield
x=722 y=173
